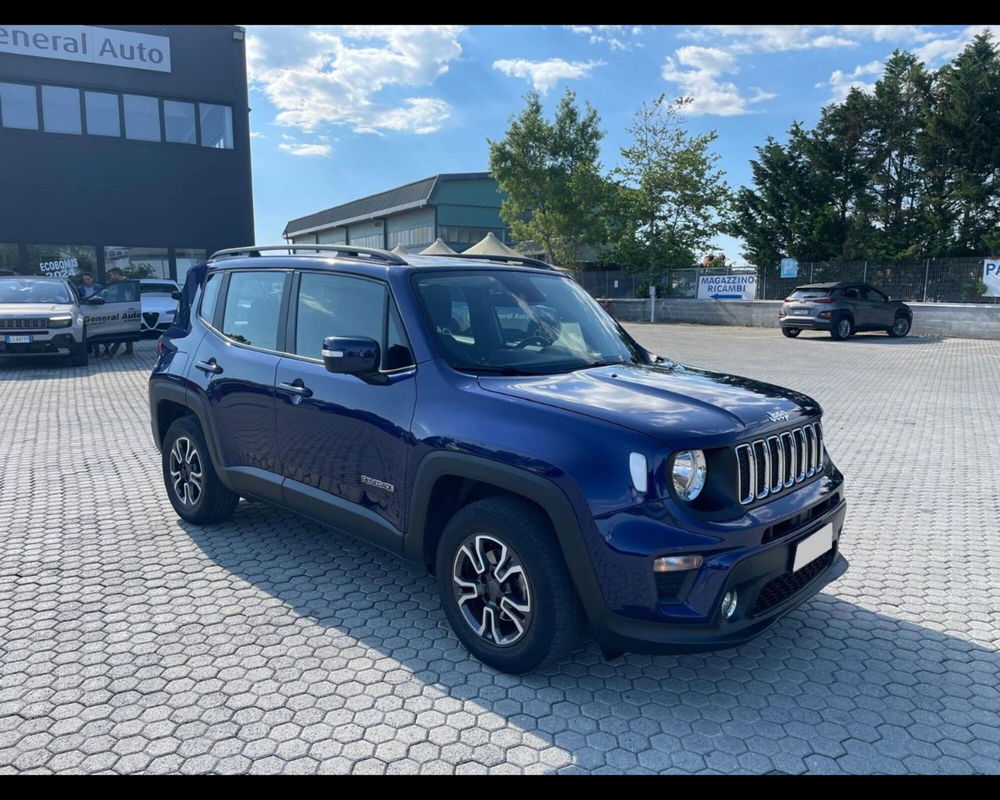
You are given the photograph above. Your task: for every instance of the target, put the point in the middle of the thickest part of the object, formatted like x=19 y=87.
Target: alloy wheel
x=186 y=473
x=844 y=328
x=901 y=326
x=492 y=590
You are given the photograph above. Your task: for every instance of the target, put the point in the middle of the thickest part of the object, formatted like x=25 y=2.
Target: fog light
x=729 y=604
x=676 y=563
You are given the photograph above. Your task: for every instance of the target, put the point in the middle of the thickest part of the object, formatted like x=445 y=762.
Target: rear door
x=118 y=318
x=234 y=370
x=859 y=307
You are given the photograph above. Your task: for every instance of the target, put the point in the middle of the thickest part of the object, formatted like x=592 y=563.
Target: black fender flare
x=550 y=497
x=164 y=390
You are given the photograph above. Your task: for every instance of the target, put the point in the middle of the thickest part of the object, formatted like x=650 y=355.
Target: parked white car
x=158 y=305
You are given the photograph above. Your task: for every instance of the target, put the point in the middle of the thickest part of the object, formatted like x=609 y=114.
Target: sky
x=339 y=112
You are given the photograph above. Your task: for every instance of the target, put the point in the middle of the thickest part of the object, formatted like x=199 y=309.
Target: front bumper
x=760 y=573
x=42 y=343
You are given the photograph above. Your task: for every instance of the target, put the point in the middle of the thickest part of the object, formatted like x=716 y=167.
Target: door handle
x=209 y=366
x=297 y=388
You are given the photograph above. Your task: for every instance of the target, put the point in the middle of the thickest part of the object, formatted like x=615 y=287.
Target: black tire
x=841 y=328
x=555 y=616
x=78 y=354
x=900 y=327
x=791 y=333
x=214 y=502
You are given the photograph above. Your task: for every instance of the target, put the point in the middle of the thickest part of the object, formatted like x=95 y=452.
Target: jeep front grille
x=777 y=462
x=25 y=324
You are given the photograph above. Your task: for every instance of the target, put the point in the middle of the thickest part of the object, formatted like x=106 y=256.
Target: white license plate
x=812 y=547
x=19 y=340
x=800 y=311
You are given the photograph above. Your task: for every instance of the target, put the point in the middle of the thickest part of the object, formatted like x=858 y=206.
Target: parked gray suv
x=843 y=309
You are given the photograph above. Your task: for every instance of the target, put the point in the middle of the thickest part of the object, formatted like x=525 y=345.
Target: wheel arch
x=446 y=482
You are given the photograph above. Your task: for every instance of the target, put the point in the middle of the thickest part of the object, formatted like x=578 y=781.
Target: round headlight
x=689 y=473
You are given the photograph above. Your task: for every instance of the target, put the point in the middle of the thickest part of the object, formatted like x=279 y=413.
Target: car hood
x=679 y=405
x=158 y=303
x=34 y=309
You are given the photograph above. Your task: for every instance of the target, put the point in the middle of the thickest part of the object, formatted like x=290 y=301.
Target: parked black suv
x=843 y=309
x=486 y=418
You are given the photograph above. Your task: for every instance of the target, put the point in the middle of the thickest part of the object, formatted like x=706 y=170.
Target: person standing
x=87 y=288
x=115 y=275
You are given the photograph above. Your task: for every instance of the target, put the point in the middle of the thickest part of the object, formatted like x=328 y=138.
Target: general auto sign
x=108 y=46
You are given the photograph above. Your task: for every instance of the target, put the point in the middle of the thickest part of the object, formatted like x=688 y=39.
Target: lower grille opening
x=670 y=586
x=802 y=518
x=779 y=589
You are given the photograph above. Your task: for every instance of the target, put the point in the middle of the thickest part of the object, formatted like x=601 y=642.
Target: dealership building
x=122 y=146
x=460 y=208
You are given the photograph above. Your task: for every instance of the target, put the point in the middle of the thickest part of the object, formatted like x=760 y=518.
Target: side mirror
x=177 y=295
x=351 y=355
x=96 y=301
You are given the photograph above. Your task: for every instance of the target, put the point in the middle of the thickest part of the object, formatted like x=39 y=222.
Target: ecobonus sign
x=108 y=46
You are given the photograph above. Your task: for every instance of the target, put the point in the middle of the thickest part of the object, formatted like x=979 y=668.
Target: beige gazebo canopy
x=490 y=245
x=439 y=248
x=399 y=250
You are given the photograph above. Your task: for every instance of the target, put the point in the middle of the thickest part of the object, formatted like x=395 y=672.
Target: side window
x=397 y=351
x=253 y=305
x=874 y=295
x=851 y=293
x=121 y=292
x=336 y=305
x=209 y=297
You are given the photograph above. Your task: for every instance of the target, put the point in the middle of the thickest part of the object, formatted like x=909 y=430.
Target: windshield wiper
x=492 y=370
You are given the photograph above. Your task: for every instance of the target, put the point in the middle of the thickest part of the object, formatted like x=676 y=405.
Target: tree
x=669 y=199
x=963 y=143
x=550 y=177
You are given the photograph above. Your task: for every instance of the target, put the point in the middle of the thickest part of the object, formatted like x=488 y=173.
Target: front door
x=117 y=319
x=234 y=367
x=343 y=441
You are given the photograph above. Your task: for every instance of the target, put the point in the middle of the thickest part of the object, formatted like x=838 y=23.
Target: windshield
x=157 y=288
x=511 y=322
x=33 y=290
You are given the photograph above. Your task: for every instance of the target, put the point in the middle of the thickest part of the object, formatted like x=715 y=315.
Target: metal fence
x=934 y=280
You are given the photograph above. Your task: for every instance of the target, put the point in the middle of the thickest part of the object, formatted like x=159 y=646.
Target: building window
x=412 y=237
x=178 y=120
x=61 y=260
x=61 y=110
x=138 y=262
x=454 y=233
x=9 y=259
x=102 y=114
x=372 y=240
x=186 y=258
x=18 y=106
x=142 y=118
x=216 y=125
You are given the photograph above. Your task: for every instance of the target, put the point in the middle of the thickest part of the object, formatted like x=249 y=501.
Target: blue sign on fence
x=789 y=268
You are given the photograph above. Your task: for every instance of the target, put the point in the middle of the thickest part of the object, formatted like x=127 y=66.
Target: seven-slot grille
x=25 y=324
x=779 y=461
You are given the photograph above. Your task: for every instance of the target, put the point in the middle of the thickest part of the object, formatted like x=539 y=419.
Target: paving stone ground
x=131 y=642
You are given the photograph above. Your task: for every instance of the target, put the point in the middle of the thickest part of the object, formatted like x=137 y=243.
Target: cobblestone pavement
x=133 y=643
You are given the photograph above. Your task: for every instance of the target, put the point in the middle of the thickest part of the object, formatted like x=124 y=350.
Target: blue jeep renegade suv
x=486 y=418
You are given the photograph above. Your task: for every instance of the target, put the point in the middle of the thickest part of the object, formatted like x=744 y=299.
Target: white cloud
x=770 y=38
x=257 y=135
x=937 y=51
x=842 y=82
x=698 y=70
x=305 y=149
x=543 y=75
x=617 y=37
x=333 y=75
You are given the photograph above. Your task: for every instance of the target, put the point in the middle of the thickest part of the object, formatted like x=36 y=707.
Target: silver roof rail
x=349 y=250
x=523 y=260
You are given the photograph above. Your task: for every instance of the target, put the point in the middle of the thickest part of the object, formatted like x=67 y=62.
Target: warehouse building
x=122 y=146
x=460 y=208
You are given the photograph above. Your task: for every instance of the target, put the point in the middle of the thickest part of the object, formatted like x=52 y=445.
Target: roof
x=402 y=198
x=831 y=285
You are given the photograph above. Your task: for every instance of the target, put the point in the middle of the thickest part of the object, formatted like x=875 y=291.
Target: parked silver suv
x=843 y=309
x=43 y=315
